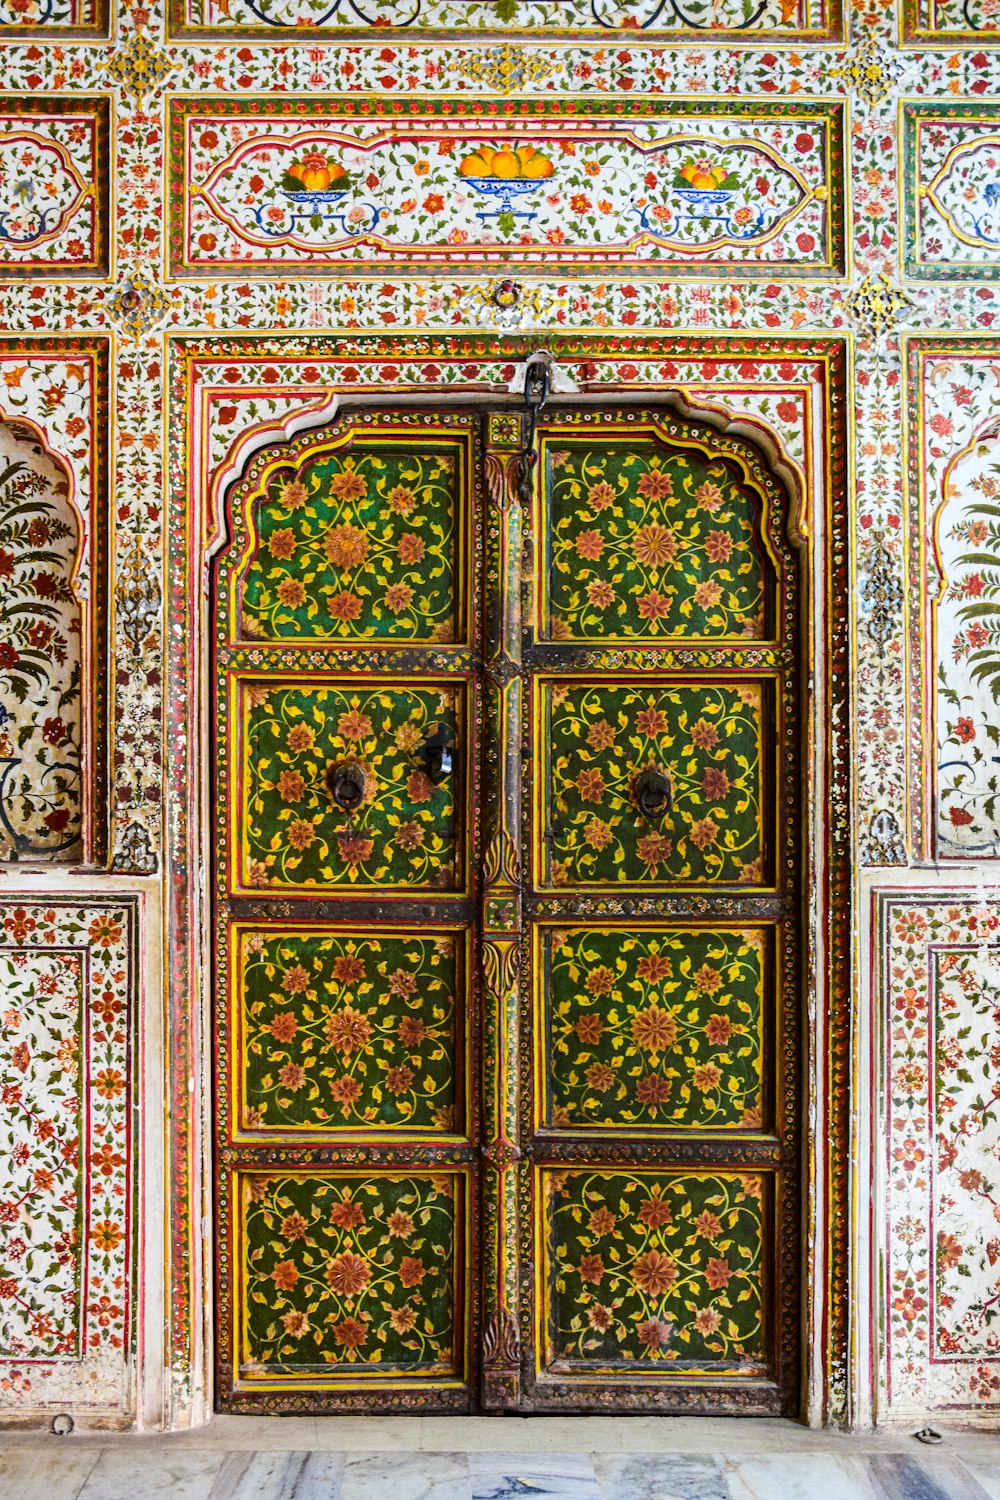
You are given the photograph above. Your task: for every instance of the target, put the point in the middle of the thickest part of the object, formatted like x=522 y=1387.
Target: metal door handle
x=653 y=794
x=438 y=755
x=346 y=785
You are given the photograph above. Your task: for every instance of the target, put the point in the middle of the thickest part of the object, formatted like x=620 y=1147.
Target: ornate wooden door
x=506 y=898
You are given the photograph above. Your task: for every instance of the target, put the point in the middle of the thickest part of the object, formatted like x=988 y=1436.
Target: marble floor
x=475 y=1459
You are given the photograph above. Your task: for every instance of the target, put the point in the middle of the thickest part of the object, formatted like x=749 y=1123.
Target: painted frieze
x=952 y=187
x=603 y=20
x=67 y=976
x=54 y=185
x=261 y=185
x=940 y=992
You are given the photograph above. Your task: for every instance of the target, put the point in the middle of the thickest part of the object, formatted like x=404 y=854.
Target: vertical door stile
x=501 y=916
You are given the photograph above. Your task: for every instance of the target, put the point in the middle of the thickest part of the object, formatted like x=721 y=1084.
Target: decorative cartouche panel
x=643 y=539
x=59 y=19
x=360 y=538
x=67 y=977
x=653 y=1026
x=652 y=1270
x=40 y=642
x=595 y=739
x=682 y=20
x=307 y=746
x=54 y=184
x=952 y=187
x=349 y=1029
x=350 y=1274
x=266 y=185
x=947 y=23
x=939 y=988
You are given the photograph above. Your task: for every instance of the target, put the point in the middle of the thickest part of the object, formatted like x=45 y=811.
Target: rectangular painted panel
x=645 y=541
x=54 y=184
x=596 y=737
x=608 y=20
x=262 y=184
x=942 y=23
x=648 y=1271
x=349 y=1029
x=350 y=1276
x=653 y=1026
x=360 y=539
x=951 y=157
x=295 y=736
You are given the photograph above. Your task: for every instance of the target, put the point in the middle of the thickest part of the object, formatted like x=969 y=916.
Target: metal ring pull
x=653 y=794
x=346 y=785
x=438 y=755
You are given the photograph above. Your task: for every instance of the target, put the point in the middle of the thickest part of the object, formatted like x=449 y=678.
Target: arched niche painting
x=41 y=655
x=967 y=656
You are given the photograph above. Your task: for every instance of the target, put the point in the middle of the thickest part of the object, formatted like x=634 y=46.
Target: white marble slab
x=405 y=1476
x=279 y=1476
x=984 y=1472
x=659 y=1476
x=141 y=1471
x=55 y=1473
x=508 y=1476
x=798 y=1476
x=923 y=1476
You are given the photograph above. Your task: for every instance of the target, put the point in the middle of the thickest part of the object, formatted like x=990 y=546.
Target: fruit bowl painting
x=506 y=173
x=702 y=180
x=315 y=177
x=312 y=185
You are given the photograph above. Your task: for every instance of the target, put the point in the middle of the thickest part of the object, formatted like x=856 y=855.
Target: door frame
x=206 y=461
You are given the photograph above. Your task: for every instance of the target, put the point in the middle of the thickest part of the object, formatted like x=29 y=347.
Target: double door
x=506 y=903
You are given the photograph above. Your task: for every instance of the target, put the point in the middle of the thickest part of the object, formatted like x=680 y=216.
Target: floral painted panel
x=945 y=22
x=53 y=184
x=405 y=833
x=362 y=542
x=40 y=655
x=596 y=739
x=645 y=540
x=348 y=1274
x=940 y=990
x=62 y=18
x=600 y=19
x=66 y=1016
x=274 y=182
x=654 y=1267
x=657 y=1027
x=350 y=1030
x=967 y=668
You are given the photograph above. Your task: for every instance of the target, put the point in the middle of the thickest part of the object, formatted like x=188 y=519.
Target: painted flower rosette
x=506 y=173
x=702 y=180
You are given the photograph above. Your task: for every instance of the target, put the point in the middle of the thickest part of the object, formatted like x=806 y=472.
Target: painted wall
x=168 y=284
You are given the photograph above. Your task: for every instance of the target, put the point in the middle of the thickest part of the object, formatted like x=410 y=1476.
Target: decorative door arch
x=508 y=892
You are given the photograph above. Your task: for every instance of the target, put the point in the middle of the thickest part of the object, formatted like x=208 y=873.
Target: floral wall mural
x=221 y=218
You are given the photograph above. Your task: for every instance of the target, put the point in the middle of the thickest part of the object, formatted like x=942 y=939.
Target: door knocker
x=653 y=794
x=346 y=785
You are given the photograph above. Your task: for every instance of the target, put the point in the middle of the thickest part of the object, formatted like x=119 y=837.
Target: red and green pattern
x=344 y=1030
x=358 y=544
x=645 y=540
x=654 y=1266
x=598 y=738
x=404 y=834
x=352 y=1271
x=655 y=1027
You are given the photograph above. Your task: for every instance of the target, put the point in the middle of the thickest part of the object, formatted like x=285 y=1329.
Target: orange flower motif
x=654 y=1333
x=347 y=1030
x=347 y=1274
x=344 y=607
x=707 y=980
x=347 y=1214
x=714 y=784
x=652 y=1090
x=294 y=1227
x=398 y=1080
x=718 y=1274
x=600 y=735
x=600 y=496
x=654 y=850
x=651 y=722
x=602 y=1221
x=419 y=787
x=708 y=1320
x=355 y=849
x=285 y=1275
x=398 y=596
x=402 y=500
x=411 y=1271
x=708 y=1224
x=402 y=1319
x=597 y=834
x=704 y=832
x=409 y=835
x=709 y=497
x=411 y=1031
x=704 y=735
x=347 y=969
x=348 y=485
x=589 y=1028
x=718 y=1030
x=295 y=980
x=354 y=725
x=590 y=545
x=351 y=1332
x=654 y=1029
x=345 y=1090
x=283 y=1026
x=707 y=594
x=291 y=787
x=654 y=1213
x=655 y=484
x=399 y=1224
x=291 y=592
x=301 y=834
x=707 y=1077
x=718 y=546
x=654 y=1272
x=346 y=546
x=295 y=1324
x=292 y=495
x=109 y=1083
x=292 y=1076
x=282 y=543
x=600 y=1077
x=410 y=548
x=599 y=1317
x=592 y=1269
x=599 y=981
x=653 y=967
x=654 y=606
x=654 y=544
x=590 y=784
x=300 y=737
x=600 y=594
